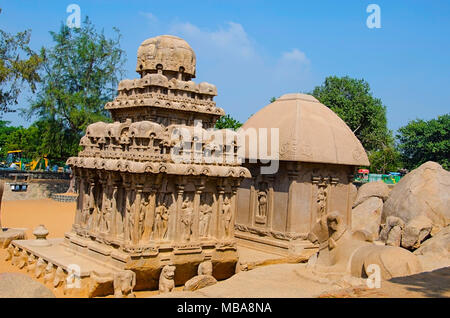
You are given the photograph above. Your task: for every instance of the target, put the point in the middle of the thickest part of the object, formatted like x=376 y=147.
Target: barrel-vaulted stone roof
x=308 y=131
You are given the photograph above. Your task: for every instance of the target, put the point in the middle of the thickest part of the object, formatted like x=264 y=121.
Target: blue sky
x=253 y=50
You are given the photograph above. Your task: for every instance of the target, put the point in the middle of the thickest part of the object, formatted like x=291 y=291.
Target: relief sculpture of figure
x=142 y=212
x=108 y=211
x=226 y=214
x=205 y=217
x=262 y=204
x=187 y=216
x=321 y=201
x=161 y=218
x=129 y=217
x=91 y=208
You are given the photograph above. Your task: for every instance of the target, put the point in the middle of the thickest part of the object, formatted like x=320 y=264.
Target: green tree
x=386 y=159
x=81 y=73
x=228 y=122
x=15 y=69
x=5 y=132
x=352 y=100
x=421 y=141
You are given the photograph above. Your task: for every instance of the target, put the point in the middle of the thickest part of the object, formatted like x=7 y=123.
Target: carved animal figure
x=341 y=250
x=166 y=279
x=48 y=273
x=124 y=283
x=10 y=252
x=39 y=267
x=59 y=277
x=31 y=263
x=205 y=268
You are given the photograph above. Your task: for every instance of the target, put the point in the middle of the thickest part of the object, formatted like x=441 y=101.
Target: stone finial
x=41 y=233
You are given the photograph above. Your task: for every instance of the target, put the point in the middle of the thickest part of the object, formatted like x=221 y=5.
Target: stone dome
x=309 y=132
x=171 y=52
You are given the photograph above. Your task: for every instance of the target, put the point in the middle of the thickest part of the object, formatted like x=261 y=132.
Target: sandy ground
x=266 y=281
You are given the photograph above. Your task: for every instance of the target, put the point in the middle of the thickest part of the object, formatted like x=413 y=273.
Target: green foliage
x=273 y=99
x=80 y=75
x=228 y=122
x=352 y=101
x=5 y=132
x=385 y=160
x=16 y=70
x=421 y=141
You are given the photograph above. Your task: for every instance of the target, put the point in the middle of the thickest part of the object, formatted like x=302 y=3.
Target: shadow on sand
x=431 y=284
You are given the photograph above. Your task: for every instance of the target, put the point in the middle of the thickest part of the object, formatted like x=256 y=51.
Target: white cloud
x=247 y=73
x=149 y=16
x=229 y=40
x=295 y=55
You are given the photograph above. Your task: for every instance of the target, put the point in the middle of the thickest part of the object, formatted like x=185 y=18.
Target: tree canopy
x=80 y=74
x=421 y=141
x=228 y=122
x=19 y=65
x=352 y=100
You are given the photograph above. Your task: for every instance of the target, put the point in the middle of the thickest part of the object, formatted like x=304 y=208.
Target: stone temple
x=317 y=155
x=139 y=207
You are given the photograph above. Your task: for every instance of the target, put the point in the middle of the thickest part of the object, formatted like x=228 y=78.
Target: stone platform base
x=62 y=266
x=9 y=234
x=97 y=269
x=295 y=251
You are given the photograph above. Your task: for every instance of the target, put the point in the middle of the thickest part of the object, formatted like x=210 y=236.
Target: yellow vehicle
x=16 y=157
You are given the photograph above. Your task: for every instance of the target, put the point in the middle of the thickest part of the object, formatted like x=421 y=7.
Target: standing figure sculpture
x=262 y=204
x=187 y=216
x=204 y=220
x=161 y=218
x=226 y=214
x=321 y=202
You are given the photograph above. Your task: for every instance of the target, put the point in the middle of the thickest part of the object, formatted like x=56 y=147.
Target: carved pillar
x=101 y=225
x=115 y=206
x=92 y=212
x=137 y=212
x=270 y=201
x=234 y=189
x=150 y=216
x=127 y=205
x=253 y=204
x=199 y=187
x=178 y=226
x=220 y=232
x=292 y=176
x=80 y=187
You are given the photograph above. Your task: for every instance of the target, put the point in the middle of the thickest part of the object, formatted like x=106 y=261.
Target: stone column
x=220 y=231
x=270 y=201
x=195 y=227
x=101 y=225
x=80 y=187
x=292 y=176
x=234 y=189
x=150 y=217
x=92 y=213
x=137 y=211
x=127 y=205
x=178 y=226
